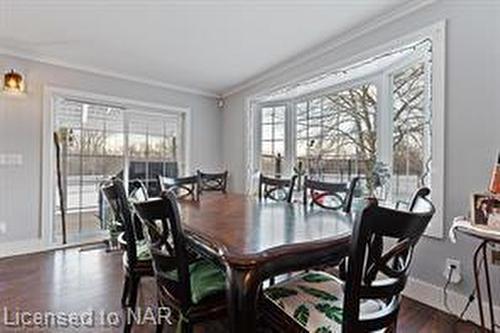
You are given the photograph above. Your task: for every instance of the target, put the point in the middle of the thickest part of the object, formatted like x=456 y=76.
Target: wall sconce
x=13 y=83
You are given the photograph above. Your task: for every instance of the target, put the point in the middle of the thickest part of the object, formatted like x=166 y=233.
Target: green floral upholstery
x=315 y=301
x=206 y=279
x=143 y=252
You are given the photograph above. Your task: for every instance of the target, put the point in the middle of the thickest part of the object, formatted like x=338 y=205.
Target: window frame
x=48 y=181
x=384 y=126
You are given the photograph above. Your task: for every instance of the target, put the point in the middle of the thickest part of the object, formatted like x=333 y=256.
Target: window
x=153 y=148
x=381 y=113
x=336 y=133
x=412 y=158
x=100 y=141
x=273 y=139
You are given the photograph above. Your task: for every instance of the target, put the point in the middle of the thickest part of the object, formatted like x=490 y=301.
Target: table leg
x=478 y=286
x=243 y=286
x=488 y=288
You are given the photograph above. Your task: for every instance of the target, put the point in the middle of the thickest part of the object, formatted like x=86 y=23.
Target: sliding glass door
x=99 y=141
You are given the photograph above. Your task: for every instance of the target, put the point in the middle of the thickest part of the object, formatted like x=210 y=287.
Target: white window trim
x=48 y=149
x=437 y=34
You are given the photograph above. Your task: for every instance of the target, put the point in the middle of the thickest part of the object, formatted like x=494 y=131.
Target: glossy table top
x=242 y=228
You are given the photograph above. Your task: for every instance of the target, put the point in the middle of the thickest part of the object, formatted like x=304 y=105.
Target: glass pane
x=279 y=148
x=267 y=115
x=279 y=131
x=114 y=144
x=137 y=170
x=137 y=145
x=170 y=149
x=267 y=165
x=70 y=140
x=113 y=166
x=411 y=133
x=92 y=175
x=336 y=136
x=92 y=142
x=279 y=114
x=156 y=147
x=302 y=132
x=267 y=148
x=72 y=180
x=301 y=148
x=267 y=132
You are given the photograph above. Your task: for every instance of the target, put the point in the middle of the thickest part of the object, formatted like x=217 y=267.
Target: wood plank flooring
x=81 y=281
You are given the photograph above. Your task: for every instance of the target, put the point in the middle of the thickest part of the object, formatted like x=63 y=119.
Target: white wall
x=472 y=118
x=21 y=133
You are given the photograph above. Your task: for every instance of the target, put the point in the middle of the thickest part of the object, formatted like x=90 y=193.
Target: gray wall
x=472 y=114
x=21 y=133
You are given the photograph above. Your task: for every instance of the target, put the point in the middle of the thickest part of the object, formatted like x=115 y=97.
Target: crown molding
x=329 y=46
x=103 y=72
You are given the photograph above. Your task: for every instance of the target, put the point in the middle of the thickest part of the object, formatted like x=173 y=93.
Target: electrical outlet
x=3 y=228
x=456 y=275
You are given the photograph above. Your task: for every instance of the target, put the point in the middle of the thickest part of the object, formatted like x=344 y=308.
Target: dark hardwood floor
x=81 y=281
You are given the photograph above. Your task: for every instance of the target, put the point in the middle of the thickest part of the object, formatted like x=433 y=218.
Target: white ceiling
x=208 y=45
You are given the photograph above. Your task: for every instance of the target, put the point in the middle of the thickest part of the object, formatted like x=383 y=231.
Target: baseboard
x=432 y=296
x=30 y=246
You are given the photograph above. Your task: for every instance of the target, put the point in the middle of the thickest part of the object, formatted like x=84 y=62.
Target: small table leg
x=477 y=272
x=482 y=249
x=242 y=290
x=488 y=287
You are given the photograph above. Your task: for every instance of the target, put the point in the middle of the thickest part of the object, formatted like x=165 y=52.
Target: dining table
x=254 y=240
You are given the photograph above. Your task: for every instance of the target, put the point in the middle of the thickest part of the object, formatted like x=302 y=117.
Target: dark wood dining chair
x=183 y=187
x=334 y=196
x=415 y=199
x=195 y=288
x=137 y=257
x=369 y=299
x=211 y=181
x=277 y=189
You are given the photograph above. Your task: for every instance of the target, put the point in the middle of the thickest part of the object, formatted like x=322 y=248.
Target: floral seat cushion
x=206 y=279
x=315 y=301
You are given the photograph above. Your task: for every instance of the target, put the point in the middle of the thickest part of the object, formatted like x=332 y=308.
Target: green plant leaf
x=332 y=312
x=302 y=314
x=323 y=329
x=276 y=293
x=323 y=295
x=316 y=278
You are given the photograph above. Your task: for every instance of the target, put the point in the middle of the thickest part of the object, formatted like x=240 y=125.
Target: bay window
x=385 y=111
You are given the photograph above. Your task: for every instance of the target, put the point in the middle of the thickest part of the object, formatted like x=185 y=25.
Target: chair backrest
x=340 y=194
x=182 y=187
x=167 y=242
x=375 y=273
x=137 y=190
x=212 y=181
x=277 y=189
x=115 y=194
x=418 y=197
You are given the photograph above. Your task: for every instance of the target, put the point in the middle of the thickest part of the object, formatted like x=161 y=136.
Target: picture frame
x=485 y=210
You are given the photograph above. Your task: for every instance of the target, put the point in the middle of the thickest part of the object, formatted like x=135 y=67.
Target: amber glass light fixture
x=13 y=82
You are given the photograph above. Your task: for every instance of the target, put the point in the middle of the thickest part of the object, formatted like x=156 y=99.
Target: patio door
x=99 y=141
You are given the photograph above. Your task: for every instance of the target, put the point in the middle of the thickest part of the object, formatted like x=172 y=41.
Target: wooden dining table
x=255 y=240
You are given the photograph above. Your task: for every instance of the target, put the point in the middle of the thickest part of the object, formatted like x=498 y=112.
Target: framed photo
x=485 y=210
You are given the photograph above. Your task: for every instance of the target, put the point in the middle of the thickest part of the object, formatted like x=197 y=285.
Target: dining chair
x=420 y=196
x=211 y=181
x=136 y=260
x=277 y=189
x=183 y=187
x=194 y=287
x=415 y=199
x=334 y=196
x=369 y=298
